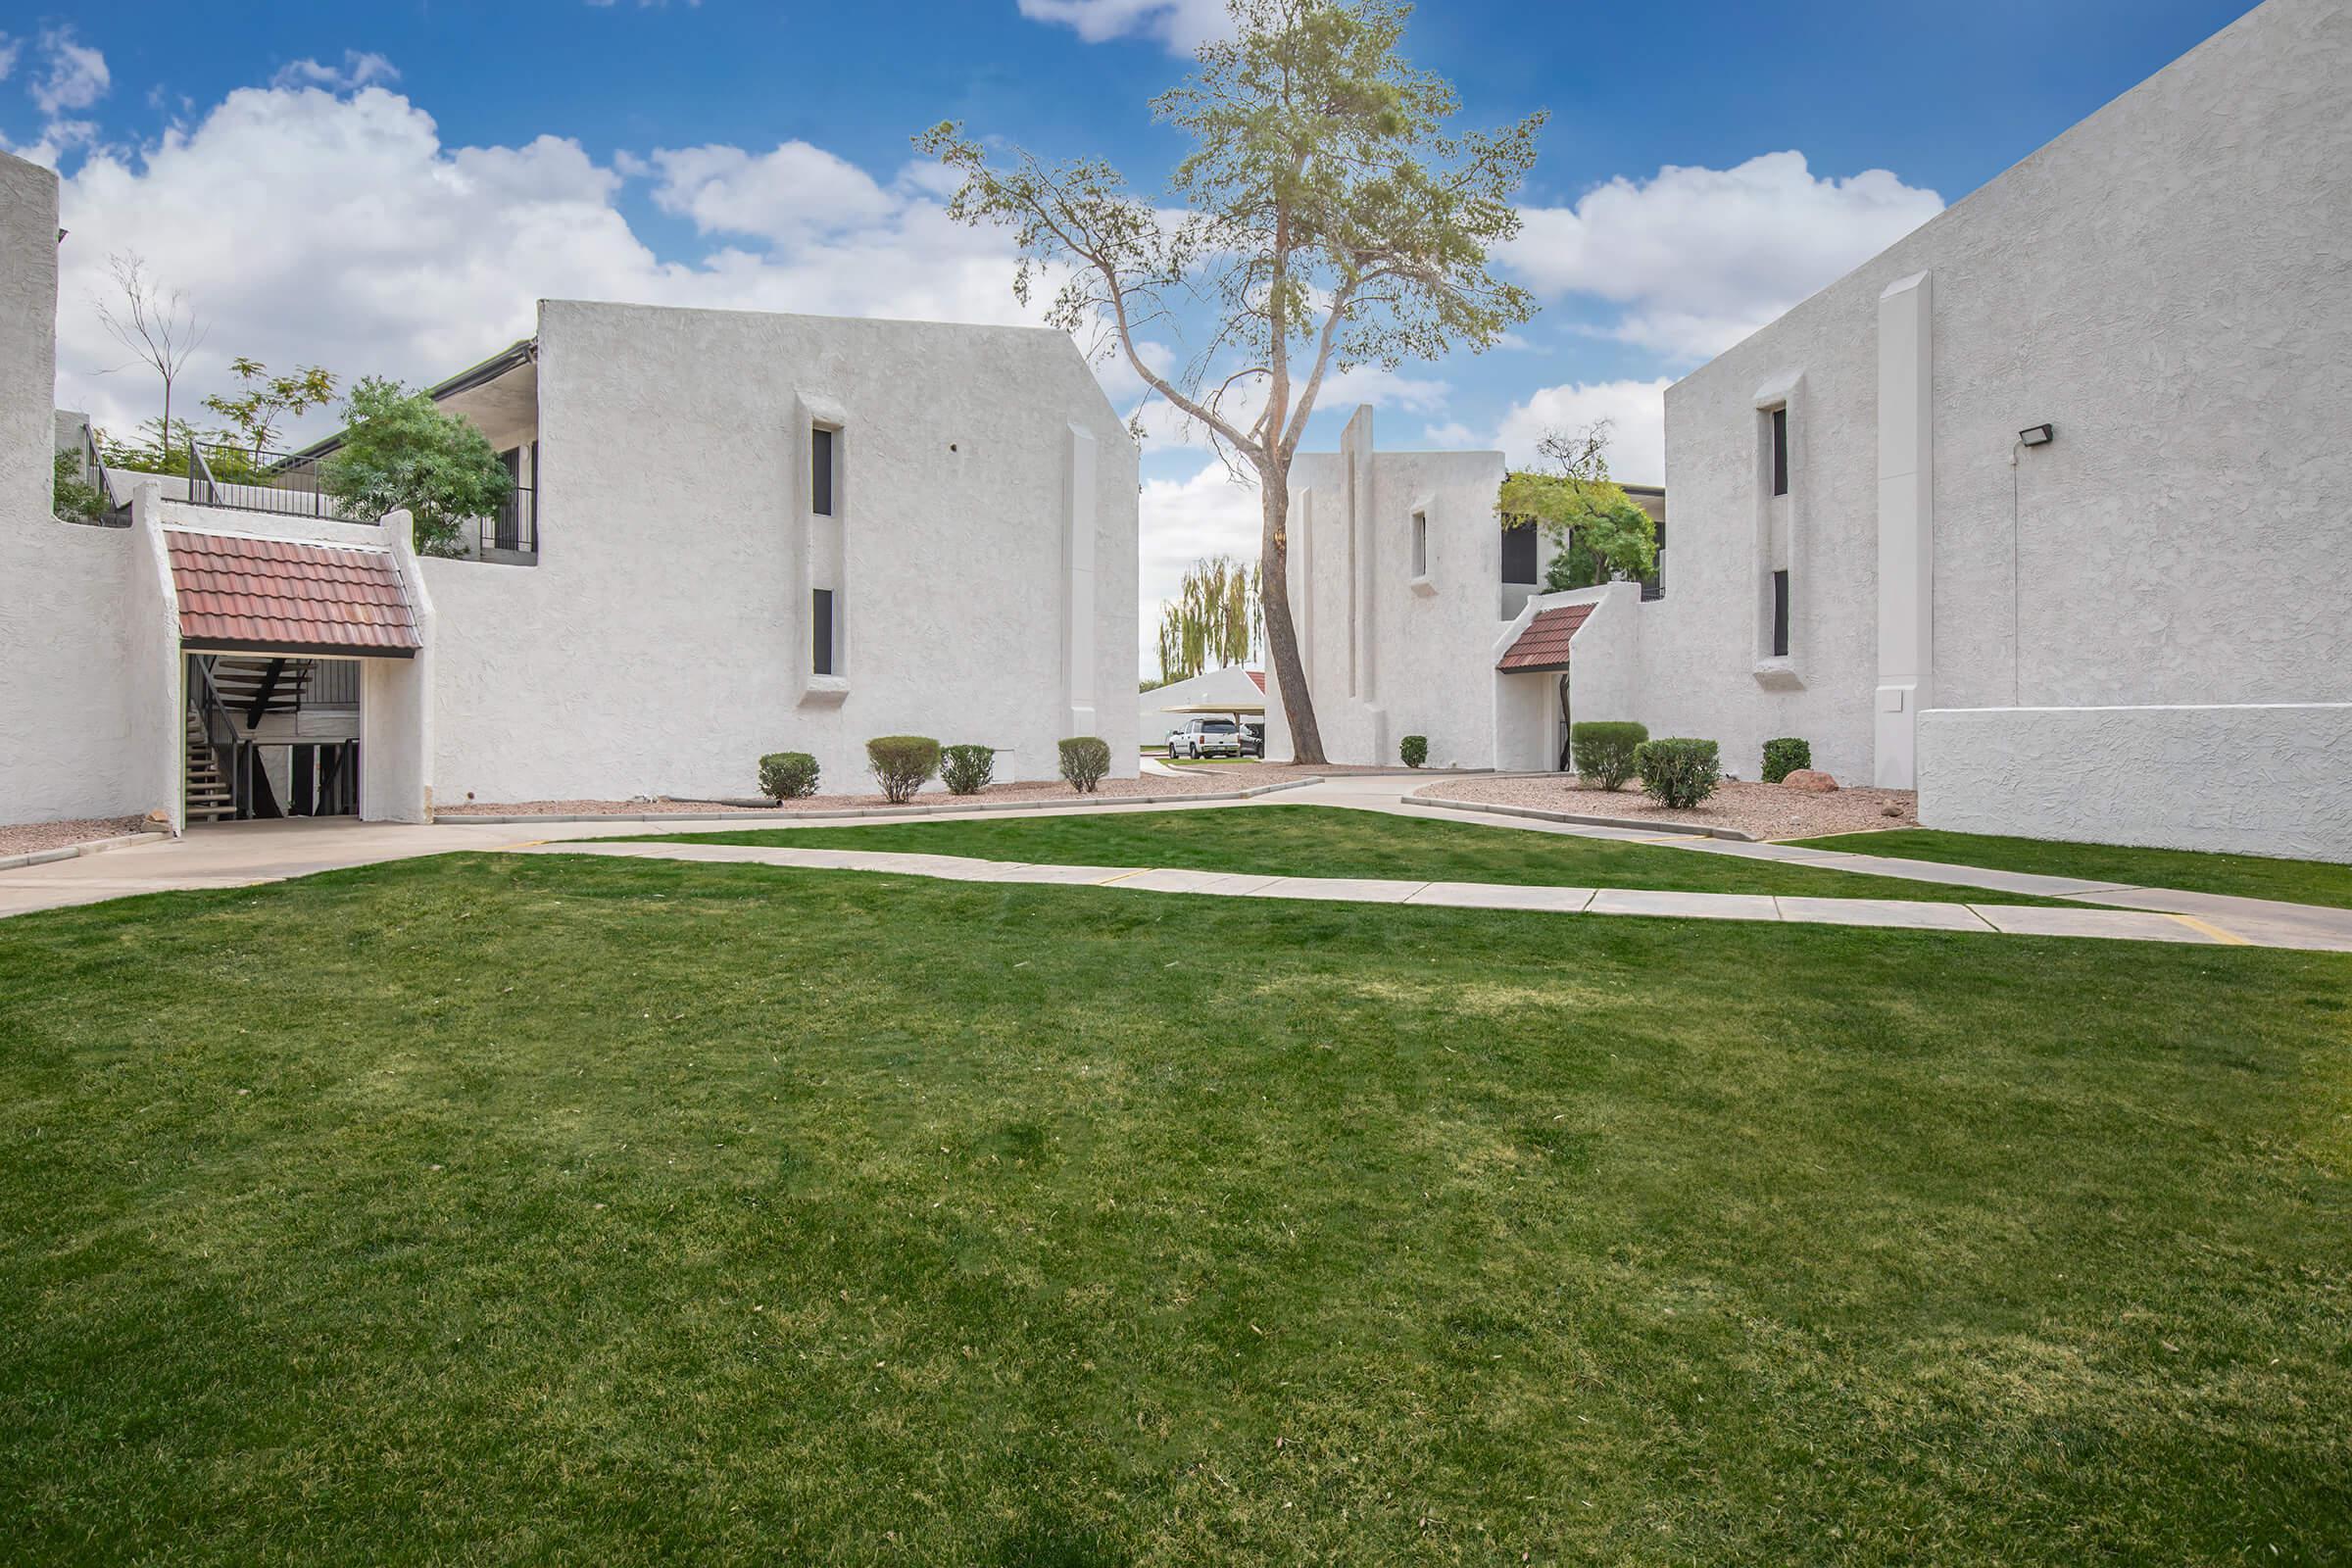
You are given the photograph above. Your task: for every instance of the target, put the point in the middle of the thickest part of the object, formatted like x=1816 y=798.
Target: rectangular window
x=820 y=622
x=1779 y=614
x=1780 y=450
x=1519 y=553
x=1420 y=544
x=820 y=471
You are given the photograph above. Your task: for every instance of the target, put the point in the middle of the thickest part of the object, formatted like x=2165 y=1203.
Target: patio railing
x=255 y=479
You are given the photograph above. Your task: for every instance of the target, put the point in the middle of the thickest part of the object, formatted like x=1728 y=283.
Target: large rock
x=1809 y=779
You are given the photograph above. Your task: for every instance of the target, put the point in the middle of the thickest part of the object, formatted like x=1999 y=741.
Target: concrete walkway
x=2009 y=919
x=242 y=854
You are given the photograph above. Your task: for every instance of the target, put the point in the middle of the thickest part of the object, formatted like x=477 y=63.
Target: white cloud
x=1181 y=26
x=1636 y=416
x=784 y=195
x=365 y=244
x=1181 y=521
x=1383 y=389
x=76 y=77
x=1700 y=258
x=359 y=69
x=10 y=49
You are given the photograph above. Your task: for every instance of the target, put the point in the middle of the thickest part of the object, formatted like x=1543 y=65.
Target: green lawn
x=489 y=1209
x=1333 y=841
x=2245 y=877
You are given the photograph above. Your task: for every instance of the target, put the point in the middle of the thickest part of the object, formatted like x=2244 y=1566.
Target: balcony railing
x=255 y=479
x=515 y=531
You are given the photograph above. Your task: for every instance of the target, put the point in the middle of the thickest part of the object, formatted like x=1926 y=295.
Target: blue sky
x=387 y=189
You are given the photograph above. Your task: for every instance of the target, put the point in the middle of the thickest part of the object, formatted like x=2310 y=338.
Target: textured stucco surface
x=2171 y=284
x=2253 y=779
x=1386 y=657
x=66 y=743
x=660 y=645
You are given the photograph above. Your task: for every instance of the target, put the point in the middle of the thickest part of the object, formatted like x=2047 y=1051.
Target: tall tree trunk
x=1282 y=632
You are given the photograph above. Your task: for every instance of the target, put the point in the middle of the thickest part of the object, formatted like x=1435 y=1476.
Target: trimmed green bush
x=1678 y=773
x=788 y=775
x=901 y=763
x=1414 y=749
x=1084 y=760
x=1784 y=756
x=1602 y=751
x=967 y=769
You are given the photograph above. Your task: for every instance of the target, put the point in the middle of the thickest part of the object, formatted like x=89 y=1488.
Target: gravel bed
x=30 y=838
x=1208 y=781
x=1760 y=811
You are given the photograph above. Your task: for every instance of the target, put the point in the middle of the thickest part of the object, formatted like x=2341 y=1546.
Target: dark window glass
x=1780 y=452
x=821 y=472
x=820 y=620
x=1519 y=553
x=1779 y=614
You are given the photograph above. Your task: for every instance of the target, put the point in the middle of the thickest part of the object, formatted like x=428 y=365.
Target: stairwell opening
x=271 y=735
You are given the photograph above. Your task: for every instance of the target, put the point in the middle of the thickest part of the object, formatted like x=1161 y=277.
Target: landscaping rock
x=1809 y=779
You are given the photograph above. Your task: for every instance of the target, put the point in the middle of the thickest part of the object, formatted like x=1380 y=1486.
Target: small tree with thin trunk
x=1598 y=530
x=1326 y=218
x=151 y=321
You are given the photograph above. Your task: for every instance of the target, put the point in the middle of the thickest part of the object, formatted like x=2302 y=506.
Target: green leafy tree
x=151 y=452
x=254 y=413
x=1325 y=216
x=1218 y=619
x=1599 y=531
x=400 y=449
x=71 y=496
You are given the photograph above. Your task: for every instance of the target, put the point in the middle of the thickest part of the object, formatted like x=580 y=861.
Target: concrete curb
x=67 y=852
x=779 y=819
x=1632 y=824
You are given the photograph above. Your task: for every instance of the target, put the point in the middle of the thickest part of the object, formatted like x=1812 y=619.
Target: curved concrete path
x=2007 y=919
x=242 y=854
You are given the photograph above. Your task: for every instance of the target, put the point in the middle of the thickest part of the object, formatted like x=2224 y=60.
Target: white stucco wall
x=2253 y=779
x=660 y=645
x=1606 y=680
x=66 y=743
x=1388 y=656
x=2167 y=283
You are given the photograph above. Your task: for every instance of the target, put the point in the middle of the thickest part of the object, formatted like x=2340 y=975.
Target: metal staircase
x=208 y=797
x=230 y=695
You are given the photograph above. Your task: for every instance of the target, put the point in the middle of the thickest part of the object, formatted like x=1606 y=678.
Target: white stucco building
x=733 y=534
x=2043 y=511
x=1245 y=689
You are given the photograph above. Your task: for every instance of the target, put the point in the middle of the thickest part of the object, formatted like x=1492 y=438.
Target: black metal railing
x=514 y=529
x=255 y=479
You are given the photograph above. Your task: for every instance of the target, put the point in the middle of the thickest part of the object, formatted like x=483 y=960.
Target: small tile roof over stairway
x=1544 y=643
x=280 y=594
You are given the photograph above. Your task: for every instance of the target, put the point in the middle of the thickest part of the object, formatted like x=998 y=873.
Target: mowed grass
x=1332 y=841
x=2244 y=877
x=491 y=1210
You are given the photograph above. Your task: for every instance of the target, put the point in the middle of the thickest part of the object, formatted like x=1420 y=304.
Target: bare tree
x=154 y=322
x=1326 y=219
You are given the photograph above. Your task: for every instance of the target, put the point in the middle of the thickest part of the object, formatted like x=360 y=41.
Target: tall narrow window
x=1779 y=614
x=820 y=471
x=1780 y=450
x=1420 y=544
x=1519 y=553
x=821 y=623
x=1653 y=586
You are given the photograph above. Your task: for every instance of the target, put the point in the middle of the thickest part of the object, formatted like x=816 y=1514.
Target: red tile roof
x=1544 y=643
x=277 y=593
x=1257 y=676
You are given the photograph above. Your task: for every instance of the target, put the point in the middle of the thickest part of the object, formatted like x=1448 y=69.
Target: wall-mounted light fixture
x=2037 y=435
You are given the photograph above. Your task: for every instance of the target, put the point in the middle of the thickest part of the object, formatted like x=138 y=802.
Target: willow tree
x=1216 y=619
x=1325 y=218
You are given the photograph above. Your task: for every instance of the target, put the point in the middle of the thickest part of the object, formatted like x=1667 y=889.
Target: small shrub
x=1677 y=773
x=74 y=499
x=1084 y=761
x=901 y=763
x=1603 y=752
x=1784 y=756
x=788 y=775
x=1414 y=749
x=967 y=769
